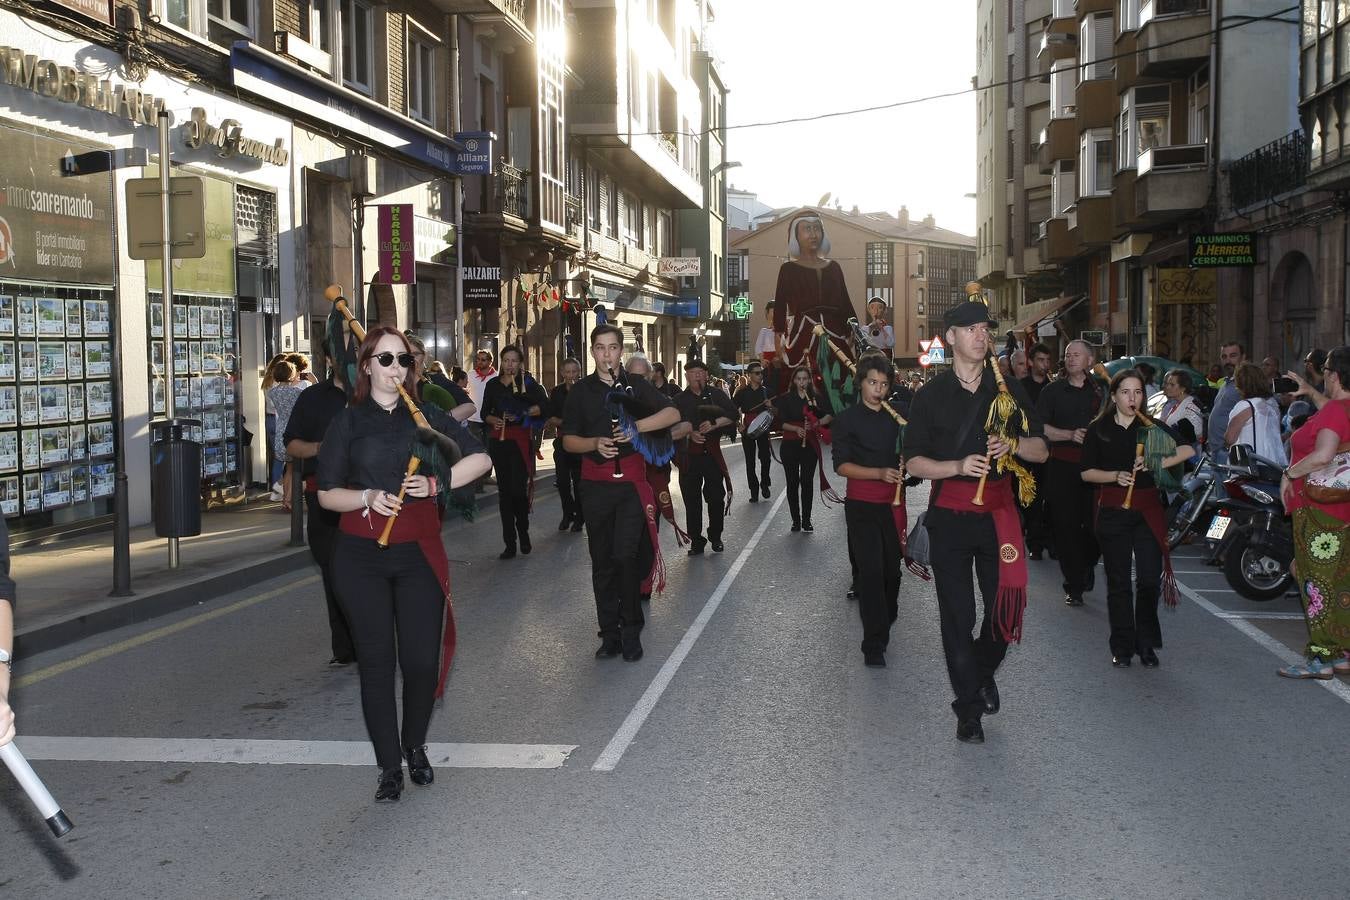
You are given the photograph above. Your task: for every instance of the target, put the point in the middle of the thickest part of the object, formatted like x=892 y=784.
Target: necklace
x=979 y=375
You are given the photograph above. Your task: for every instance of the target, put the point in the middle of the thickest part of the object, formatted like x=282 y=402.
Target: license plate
x=1218 y=527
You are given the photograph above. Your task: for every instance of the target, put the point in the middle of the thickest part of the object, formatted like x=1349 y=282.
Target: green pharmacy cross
x=741 y=307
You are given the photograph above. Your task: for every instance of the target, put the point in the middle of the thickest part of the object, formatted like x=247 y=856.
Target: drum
x=760 y=425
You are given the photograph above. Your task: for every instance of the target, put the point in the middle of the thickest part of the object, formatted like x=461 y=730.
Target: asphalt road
x=770 y=762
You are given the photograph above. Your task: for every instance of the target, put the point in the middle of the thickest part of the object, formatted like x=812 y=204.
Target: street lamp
x=722 y=167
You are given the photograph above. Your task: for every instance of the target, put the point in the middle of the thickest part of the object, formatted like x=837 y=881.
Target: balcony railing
x=514 y=7
x=574 y=217
x=1177 y=156
x=667 y=142
x=1267 y=172
x=1156 y=9
x=513 y=186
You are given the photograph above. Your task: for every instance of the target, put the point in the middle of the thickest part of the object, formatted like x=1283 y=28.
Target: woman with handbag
x=1255 y=419
x=1316 y=490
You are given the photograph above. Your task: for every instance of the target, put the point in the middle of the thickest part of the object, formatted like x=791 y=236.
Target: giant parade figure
x=810 y=293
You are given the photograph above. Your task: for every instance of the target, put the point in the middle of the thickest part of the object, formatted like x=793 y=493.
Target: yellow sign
x=1175 y=286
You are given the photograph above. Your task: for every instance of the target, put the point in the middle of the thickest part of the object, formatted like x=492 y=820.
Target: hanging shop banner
x=52 y=227
x=1177 y=286
x=397 y=236
x=1234 y=249
x=434 y=241
x=482 y=272
x=100 y=10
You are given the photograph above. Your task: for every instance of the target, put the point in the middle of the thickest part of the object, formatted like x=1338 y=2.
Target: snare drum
x=760 y=425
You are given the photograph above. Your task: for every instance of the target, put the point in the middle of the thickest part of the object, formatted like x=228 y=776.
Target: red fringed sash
x=815 y=436
x=523 y=438
x=880 y=492
x=712 y=447
x=419 y=523
x=659 y=478
x=633 y=470
x=1148 y=503
x=956 y=494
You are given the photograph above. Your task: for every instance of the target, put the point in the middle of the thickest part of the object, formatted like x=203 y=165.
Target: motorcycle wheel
x=1251 y=571
x=1181 y=514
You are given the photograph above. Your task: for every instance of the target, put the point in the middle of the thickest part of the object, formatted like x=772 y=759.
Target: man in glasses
x=512 y=408
x=752 y=400
x=480 y=373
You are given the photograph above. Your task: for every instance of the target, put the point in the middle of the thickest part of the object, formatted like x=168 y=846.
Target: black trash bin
x=176 y=470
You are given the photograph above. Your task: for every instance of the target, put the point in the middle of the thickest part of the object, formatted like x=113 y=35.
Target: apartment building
x=918 y=268
x=1118 y=142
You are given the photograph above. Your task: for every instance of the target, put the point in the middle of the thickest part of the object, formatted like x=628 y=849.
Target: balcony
x=1055 y=245
x=516 y=8
x=1122 y=201
x=1270 y=171
x=1059 y=140
x=1090 y=224
x=1083 y=7
x=513 y=191
x=1061 y=9
x=1097 y=103
x=1173 y=37
x=1056 y=45
x=1172 y=182
x=575 y=218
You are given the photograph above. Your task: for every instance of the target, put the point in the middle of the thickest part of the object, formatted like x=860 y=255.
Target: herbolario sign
x=52 y=227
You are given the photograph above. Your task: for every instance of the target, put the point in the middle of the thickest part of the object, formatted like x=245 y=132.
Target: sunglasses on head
x=386 y=359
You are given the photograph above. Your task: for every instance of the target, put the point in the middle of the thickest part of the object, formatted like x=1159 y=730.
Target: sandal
x=1342 y=666
x=1313 y=668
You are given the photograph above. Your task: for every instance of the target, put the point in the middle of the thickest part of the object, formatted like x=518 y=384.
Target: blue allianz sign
x=476 y=157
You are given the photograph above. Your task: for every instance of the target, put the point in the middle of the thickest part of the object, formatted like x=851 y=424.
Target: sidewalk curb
x=110 y=613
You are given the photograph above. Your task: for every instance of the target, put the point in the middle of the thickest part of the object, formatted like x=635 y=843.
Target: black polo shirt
x=688 y=403
x=368 y=447
x=585 y=415
x=942 y=409
x=501 y=399
x=1110 y=448
x=1065 y=406
x=314 y=411
x=752 y=400
x=1034 y=388
x=792 y=407
x=670 y=389
x=557 y=401
x=865 y=437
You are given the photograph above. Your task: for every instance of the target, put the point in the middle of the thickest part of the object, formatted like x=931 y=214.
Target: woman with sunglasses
x=403 y=589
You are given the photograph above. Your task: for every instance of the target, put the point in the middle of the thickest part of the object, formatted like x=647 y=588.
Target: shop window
x=358 y=46
x=219 y=21
x=421 y=81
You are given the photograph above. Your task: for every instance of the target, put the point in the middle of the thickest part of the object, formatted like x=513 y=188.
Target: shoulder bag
x=1331 y=483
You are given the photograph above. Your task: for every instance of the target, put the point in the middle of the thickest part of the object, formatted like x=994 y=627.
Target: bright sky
x=785 y=58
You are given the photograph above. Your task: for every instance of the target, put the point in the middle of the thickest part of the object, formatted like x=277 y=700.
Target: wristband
x=365 y=501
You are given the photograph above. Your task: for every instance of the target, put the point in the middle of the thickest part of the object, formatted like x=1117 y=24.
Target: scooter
x=1196 y=503
x=1255 y=539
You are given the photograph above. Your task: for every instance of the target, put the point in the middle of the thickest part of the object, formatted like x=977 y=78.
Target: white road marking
x=614 y=750
x=1275 y=616
x=274 y=753
x=1335 y=685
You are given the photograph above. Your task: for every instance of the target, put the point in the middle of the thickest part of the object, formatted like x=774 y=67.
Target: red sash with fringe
x=816 y=435
x=418 y=523
x=879 y=492
x=956 y=494
x=633 y=470
x=712 y=446
x=1148 y=503
x=659 y=478
x=523 y=438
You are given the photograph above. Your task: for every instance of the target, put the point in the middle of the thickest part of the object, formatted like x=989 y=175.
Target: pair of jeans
x=758 y=448
x=1131 y=604
x=322 y=531
x=621 y=555
x=799 y=470
x=874 y=553
x=701 y=482
x=513 y=486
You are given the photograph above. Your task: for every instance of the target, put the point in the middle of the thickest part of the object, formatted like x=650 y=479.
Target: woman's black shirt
x=1110 y=448
x=367 y=447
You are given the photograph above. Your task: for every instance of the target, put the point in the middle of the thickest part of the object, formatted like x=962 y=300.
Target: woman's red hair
x=363 y=357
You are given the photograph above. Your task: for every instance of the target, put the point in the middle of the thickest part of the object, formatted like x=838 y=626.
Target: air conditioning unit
x=1093 y=338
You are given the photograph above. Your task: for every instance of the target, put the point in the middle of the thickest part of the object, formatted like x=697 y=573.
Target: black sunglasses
x=386 y=359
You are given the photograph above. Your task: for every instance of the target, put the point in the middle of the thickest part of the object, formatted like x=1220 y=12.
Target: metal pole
x=166 y=284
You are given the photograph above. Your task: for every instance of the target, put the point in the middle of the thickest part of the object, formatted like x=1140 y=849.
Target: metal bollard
x=297 y=504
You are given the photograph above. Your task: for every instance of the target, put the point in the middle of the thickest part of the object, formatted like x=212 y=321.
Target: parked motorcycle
x=1255 y=539
x=1200 y=491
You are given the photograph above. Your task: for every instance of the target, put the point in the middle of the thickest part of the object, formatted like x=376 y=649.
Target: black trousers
x=701 y=482
x=759 y=447
x=513 y=497
x=1071 y=512
x=621 y=555
x=1036 y=518
x=323 y=531
x=567 y=477
x=394 y=603
x=874 y=552
x=963 y=543
x=799 y=470
x=1131 y=607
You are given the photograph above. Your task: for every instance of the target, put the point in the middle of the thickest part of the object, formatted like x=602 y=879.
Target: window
x=1038 y=210
x=1129 y=15
x=879 y=258
x=1197 y=107
x=358 y=46
x=1095 y=163
x=1062 y=196
x=919 y=268
x=219 y=21
x=919 y=295
x=1096 y=40
x=1144 y=122
x=421 y=81
x=1062 y=105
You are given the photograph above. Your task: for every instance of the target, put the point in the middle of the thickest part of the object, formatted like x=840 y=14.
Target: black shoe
x=508 y=553
x=1073 y=599
x=808 y=527
x=1120 y=660
x=754 y=497
x=717 y=545
x=1034 y=555
x=1090 y=581
x=696 y=548
x=419 y=767
x=970 y=731
x=525 y=545
x=632 y=649
x=391 y=785
x=796 y=526
x=874 y=660
x=989 y=694
x=578 y=524
x=565 y=524
x=765 y=490
x=1148 y=658
x=338 y=661
x=609 y=648
x=851 y=595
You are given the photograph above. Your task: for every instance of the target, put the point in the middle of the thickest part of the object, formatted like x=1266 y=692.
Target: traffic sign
x=925 y=361
x=187 y=218
x=923 y=345
x=936 y=344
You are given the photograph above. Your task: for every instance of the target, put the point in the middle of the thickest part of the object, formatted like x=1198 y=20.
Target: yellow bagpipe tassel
x=1007 y=421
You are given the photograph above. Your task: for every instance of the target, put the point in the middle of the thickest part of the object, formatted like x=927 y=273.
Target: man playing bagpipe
x=703 y=470
x=619 y=426
x=753 y=400
x=513 y=404
x=967 y=431
x=567 y=466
